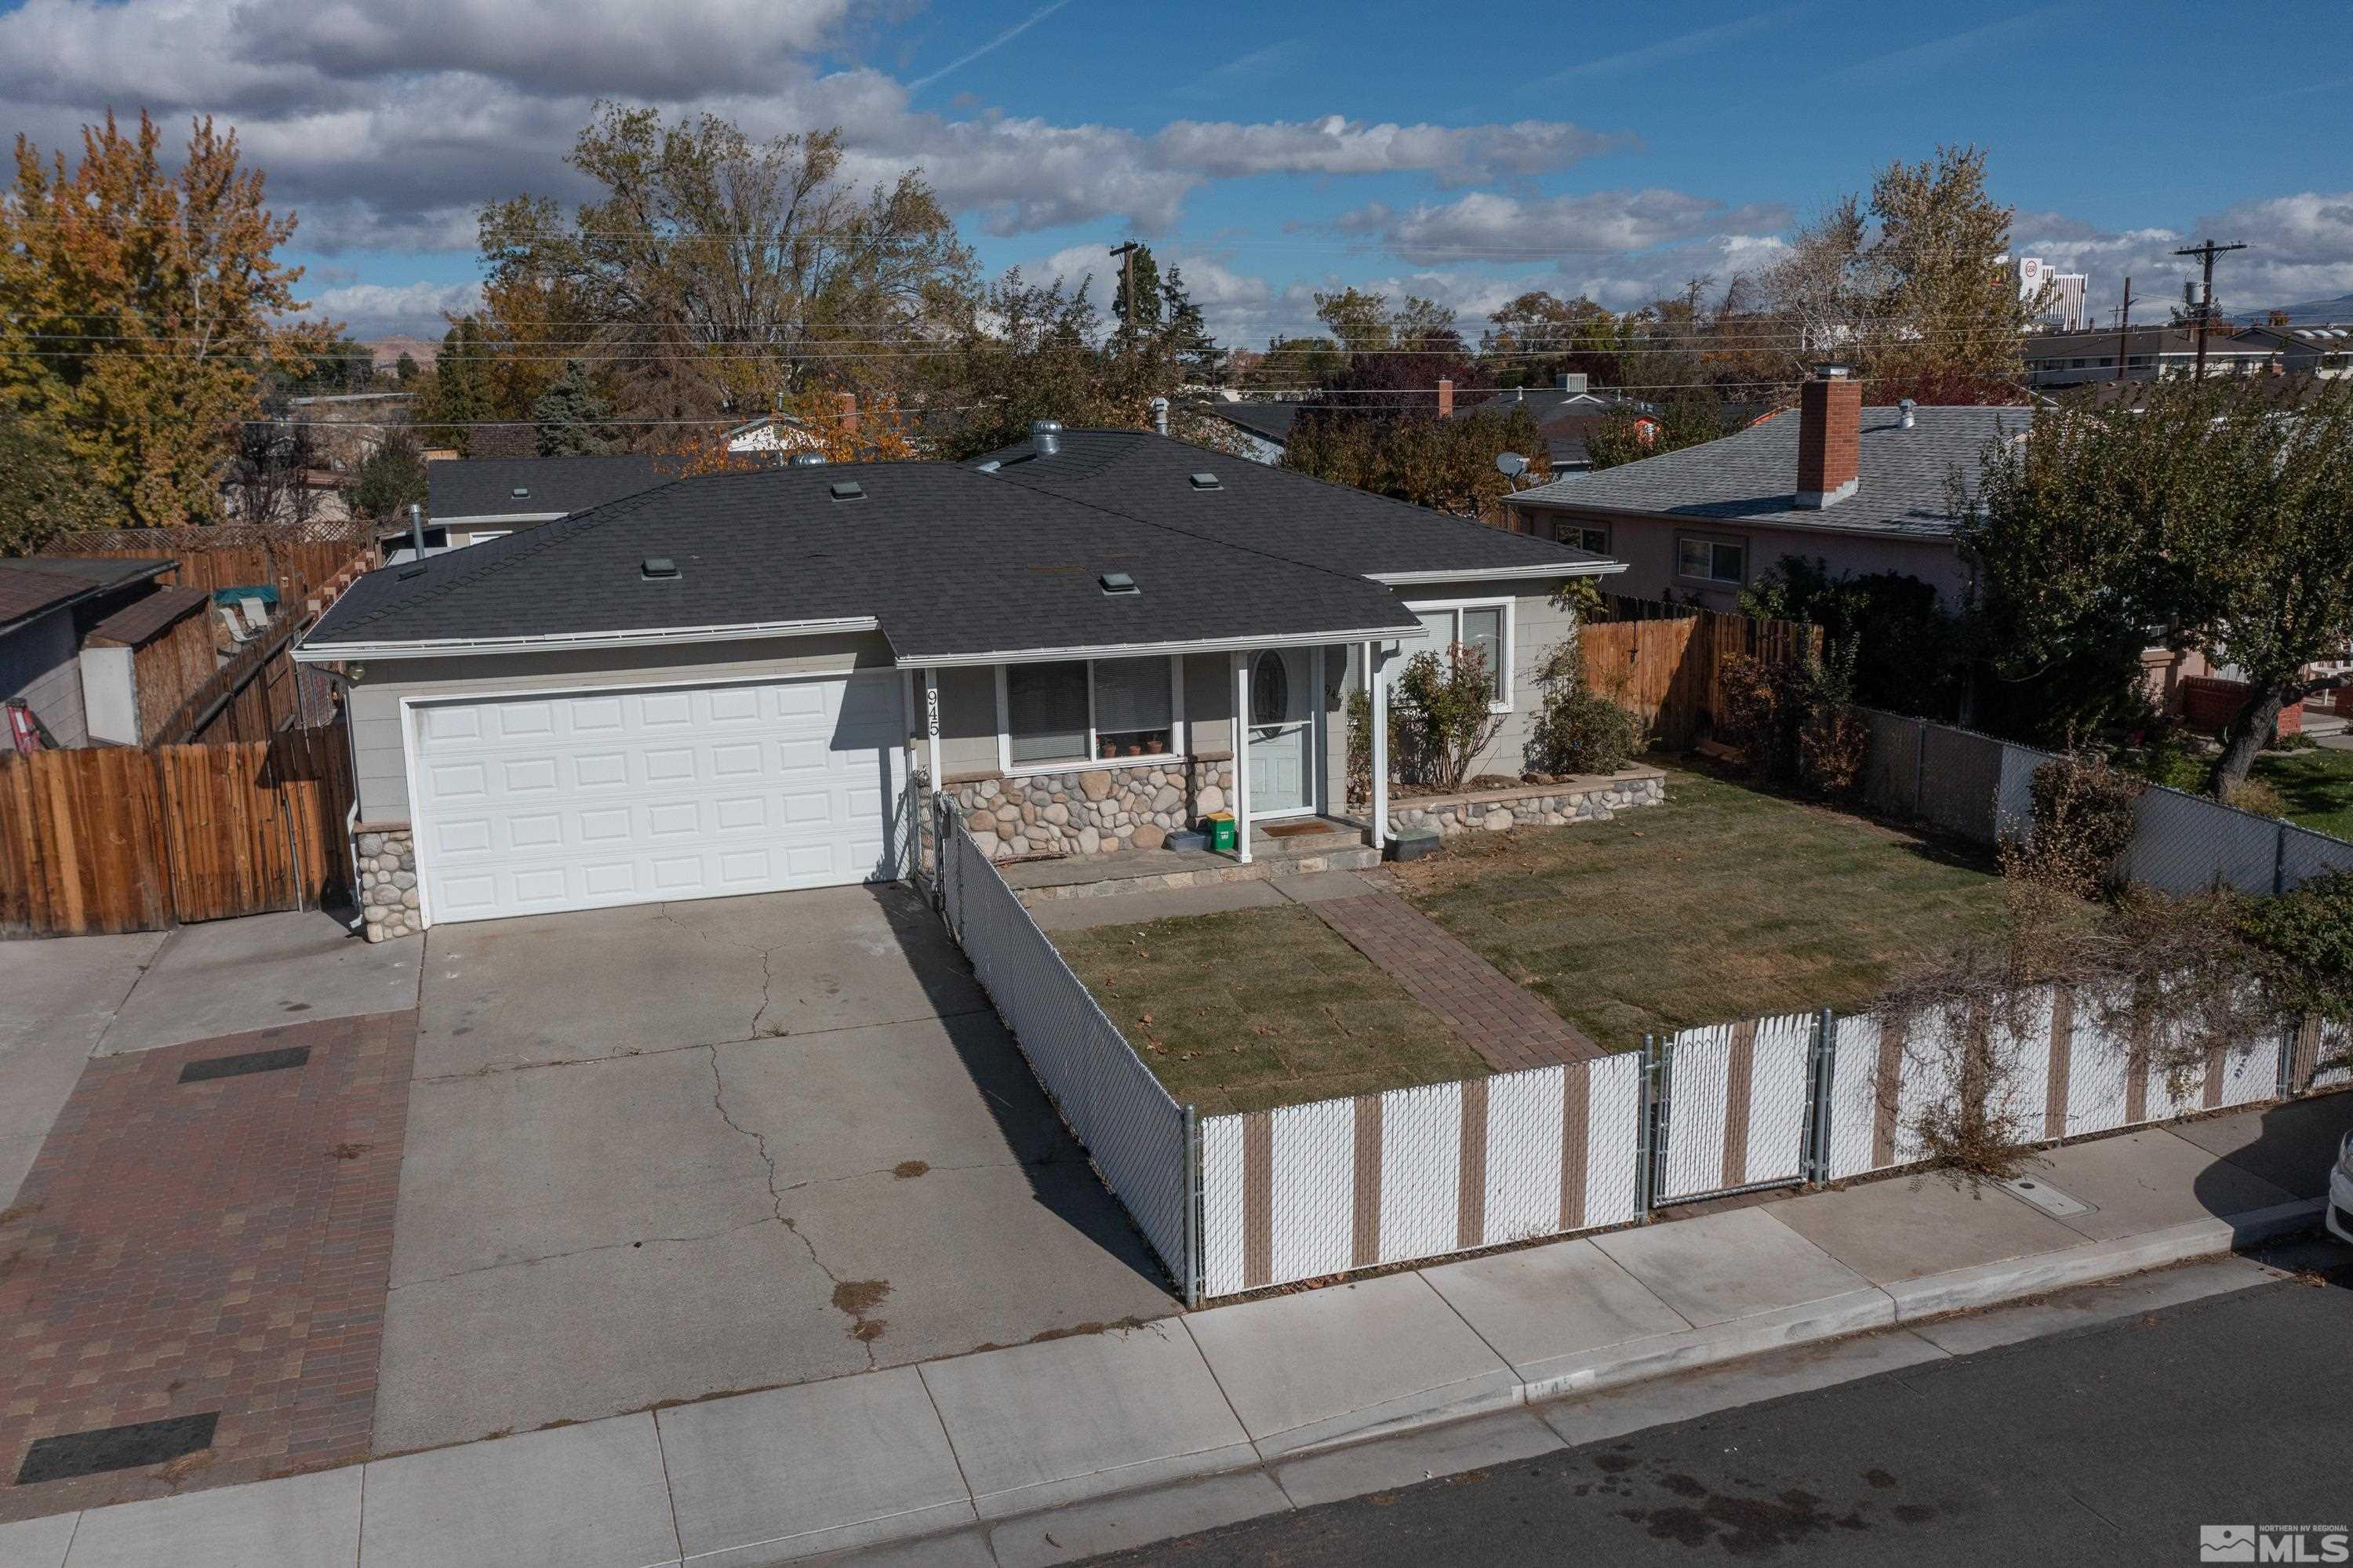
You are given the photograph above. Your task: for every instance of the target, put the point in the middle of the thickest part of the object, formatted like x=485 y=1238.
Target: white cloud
x=374 y=310
x=1337 y=145
x=1490 y=226
x=2299 y=248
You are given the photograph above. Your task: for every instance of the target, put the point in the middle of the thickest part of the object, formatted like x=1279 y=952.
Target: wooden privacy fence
x=115 y=839
x=297 y=560
x=1665 y=663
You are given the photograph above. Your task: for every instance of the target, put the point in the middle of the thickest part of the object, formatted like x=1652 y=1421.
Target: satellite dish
x=1511 y=465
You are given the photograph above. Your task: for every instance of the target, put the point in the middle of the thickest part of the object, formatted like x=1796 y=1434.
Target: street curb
x=1833 y=1318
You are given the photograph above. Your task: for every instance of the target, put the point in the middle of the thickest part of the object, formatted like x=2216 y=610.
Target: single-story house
x=48 y=607
x=725 y=684
x=1263 y=430
x=1863 y=489
x=1566 y=412
x=470 y=500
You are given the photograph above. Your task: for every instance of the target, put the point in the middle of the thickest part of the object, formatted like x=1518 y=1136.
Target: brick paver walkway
x=1507 y=1025
x=218 y=1245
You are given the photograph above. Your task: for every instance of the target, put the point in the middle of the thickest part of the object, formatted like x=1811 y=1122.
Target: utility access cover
x=2047 y=1198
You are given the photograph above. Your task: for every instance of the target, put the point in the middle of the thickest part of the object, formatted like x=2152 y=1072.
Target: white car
x=2341 y=1193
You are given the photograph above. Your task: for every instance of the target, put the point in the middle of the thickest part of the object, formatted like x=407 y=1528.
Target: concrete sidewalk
x=1192 y=1421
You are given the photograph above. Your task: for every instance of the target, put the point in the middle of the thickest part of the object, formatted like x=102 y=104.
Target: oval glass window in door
x=1270 y=689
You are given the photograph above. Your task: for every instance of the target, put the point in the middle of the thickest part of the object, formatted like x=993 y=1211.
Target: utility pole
x=2124 y=331
x=1126 y=255
x=2206 y=252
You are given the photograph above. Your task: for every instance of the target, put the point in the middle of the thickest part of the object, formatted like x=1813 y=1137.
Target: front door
x=1281 y=733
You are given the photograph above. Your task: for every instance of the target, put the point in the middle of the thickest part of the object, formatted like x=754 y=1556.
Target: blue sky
x=1464 y=153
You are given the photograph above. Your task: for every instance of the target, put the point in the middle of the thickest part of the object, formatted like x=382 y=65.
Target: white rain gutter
x=1478 y=574
x=655 y=637
x=1149 y=649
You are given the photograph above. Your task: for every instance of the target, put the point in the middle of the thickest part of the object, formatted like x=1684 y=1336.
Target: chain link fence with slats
x=1138 y=1136
x=1976 y=787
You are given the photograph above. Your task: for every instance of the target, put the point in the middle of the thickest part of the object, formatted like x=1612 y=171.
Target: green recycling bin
x=1220 y=826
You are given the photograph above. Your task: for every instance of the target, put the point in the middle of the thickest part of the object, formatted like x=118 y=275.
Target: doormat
x=116 y=1447
x=251 y=1062
x=1294 y=830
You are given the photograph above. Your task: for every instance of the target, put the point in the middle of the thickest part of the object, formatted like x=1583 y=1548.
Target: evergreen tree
x=1196 y=352
x=572 y=418
x=1148 y=292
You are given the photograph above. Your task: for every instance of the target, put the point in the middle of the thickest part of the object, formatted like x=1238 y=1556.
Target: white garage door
x=577 y=801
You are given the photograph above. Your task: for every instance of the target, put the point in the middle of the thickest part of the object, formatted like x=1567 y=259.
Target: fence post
x=1193 y=1269
x=1646 y=1153
x=2279 y=860
x=1824 y=1066
x=1919 y=767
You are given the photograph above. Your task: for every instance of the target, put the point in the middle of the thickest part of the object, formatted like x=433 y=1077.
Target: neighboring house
x=1566 y=412
x=470 y=500
x=2317 y=348
x=1263 y=430
x=718 y=686
x=1864 y=489
x=139 y=665
x=2072 y=358
x=48 y=606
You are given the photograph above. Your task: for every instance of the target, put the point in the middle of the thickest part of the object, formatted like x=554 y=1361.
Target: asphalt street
x=2106 y=1444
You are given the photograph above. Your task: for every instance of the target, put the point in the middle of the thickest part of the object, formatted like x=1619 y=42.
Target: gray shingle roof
x=1751 y=475
x=33 y=585
x=485 y=487
x=1268 y=421
x=950 y=561
x=1271 y=511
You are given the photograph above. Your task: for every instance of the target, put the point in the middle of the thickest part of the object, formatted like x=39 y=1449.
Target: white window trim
x=1510 y=607
x=1711 y=541
x=1177 y=752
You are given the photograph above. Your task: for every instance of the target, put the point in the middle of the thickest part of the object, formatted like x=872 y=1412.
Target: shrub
x=1750 y=718
x=2309 y=933
x=2083 y=824
x=1833 y=748
x=1443 y=716
x=1578 y=729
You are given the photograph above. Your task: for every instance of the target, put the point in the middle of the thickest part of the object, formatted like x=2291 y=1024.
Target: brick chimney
x=847 y=402
x=1445 y=398
x=1830 y=424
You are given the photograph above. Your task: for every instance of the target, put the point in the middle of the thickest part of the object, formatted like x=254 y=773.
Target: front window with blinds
x=1484 y=625
x=1076 y=712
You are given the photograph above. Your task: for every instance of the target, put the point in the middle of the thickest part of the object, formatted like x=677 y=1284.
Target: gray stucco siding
x=378 y=754
x=1538 y=626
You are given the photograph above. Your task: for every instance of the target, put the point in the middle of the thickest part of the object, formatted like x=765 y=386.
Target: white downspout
x=1241 y=757
x=1380 y=744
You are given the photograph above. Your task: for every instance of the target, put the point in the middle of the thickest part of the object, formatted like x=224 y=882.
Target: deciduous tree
x=144 y=307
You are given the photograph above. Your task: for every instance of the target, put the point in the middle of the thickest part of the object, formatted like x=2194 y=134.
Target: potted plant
x=1155 y=746
x=1111 y=748
x=1134 y=749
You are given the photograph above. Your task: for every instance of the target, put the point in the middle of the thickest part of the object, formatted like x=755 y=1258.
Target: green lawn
x=1260 y=1008
x=2317 y=787
x=1722 y=903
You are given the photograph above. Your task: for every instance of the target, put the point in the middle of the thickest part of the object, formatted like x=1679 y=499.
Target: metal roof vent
x=1045 y=436
x=991 y=466
x=806 y=460
x=846 y=490
x=1118 y=583
x=1206 y=481
x=523 y=493
x=1905 y=407
x=658 y=569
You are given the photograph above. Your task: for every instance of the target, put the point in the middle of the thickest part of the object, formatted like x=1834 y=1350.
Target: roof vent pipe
x=1045 y=436
x=416 y=530
x=1904 y=409
x=1160 y=415
x=807 y=460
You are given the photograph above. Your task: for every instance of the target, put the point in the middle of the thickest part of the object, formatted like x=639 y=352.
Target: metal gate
x=1737 y=1106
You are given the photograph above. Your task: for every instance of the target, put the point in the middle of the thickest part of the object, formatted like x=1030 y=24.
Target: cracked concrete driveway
x=659 y=1153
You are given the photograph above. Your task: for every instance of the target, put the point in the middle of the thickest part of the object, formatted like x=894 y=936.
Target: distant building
x=2065 y=308
x=2151 y=354
x=2322 y=349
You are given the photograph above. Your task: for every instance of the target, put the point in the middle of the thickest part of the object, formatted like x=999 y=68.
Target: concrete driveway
x=662 y=1152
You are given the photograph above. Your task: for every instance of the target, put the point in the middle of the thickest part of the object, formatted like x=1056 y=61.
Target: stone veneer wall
x=1094 y=810
x=1591 y=799
x=388 y=897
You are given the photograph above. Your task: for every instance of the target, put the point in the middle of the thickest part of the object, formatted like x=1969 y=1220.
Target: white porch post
x=1241 y=757
x=932 y=723
x=1380 y=744
x=1380 y=692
